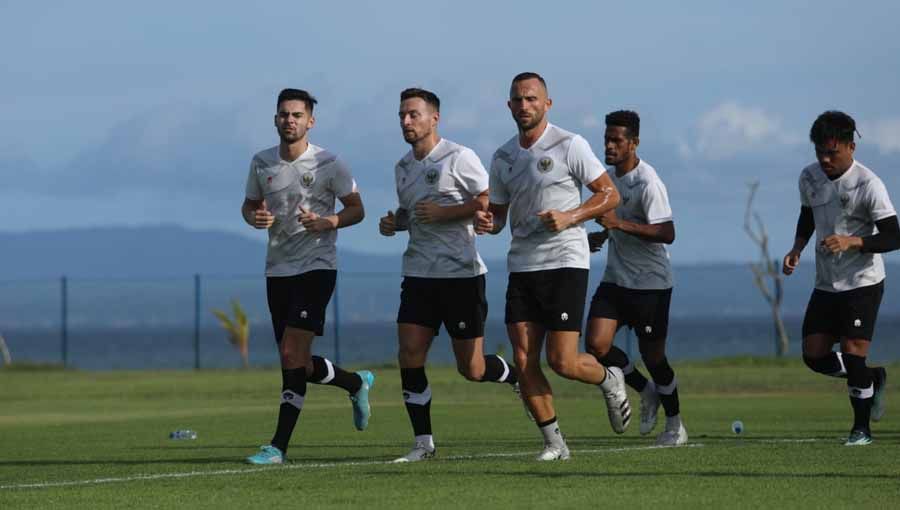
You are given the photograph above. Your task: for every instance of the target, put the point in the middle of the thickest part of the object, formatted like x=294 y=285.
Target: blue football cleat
x=268 y=454
x=360 y=400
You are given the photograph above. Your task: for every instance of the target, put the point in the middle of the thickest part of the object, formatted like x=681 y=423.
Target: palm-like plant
x=238 y=329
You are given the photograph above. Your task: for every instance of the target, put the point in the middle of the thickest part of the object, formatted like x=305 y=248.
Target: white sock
x=552 y=435
x=609 y=382
x=427 y=440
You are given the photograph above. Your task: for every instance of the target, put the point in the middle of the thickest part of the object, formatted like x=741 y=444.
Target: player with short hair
x=536 y=179
x=637 y=286
x=291 y=190
x=440 y=185
x=849 y=209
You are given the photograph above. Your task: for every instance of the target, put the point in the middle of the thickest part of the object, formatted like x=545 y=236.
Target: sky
x=121 y=113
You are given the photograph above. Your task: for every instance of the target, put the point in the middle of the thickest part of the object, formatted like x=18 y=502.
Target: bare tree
x=4 y=352
x=766 y=272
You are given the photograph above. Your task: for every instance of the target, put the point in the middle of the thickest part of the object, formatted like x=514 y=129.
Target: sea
x=115 y=324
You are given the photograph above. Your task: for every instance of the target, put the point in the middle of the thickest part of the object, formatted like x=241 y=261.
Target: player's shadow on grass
x=700 y=474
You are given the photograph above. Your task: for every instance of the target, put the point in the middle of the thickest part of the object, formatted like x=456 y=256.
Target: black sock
x=293 y=393
x=617 y=358
x=831 y=365
x=417 y=395
x=666 y=385
x=326 y=372
x=861 y=389
x=496 y=369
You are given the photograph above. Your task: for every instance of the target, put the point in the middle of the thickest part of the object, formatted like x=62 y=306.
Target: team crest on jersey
x=545 y=164
x=431 y=176
x=307 y=179
x=845 y=199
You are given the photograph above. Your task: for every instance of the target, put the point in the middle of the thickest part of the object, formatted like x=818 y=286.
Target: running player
x=637 y=285
x=440 y=185
x=291 y=191
x=536 y=178
x=849 y=209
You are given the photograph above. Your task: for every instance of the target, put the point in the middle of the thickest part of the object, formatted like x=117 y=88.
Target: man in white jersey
x=291 y=190
x=849 y=209
x=637 y=286
x=536 y=178
x=440 y=185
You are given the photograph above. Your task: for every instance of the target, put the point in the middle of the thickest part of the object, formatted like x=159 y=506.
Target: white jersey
x=450 y=175
x=312 y=181
x=632 y=262
x=548 y=175
x=847 y=206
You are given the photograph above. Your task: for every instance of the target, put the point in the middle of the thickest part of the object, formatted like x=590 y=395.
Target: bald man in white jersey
x=536 y=179
x=290 y=192
x=848 y=208
x=440 y=185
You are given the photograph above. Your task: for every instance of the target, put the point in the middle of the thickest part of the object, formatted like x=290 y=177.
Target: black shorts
x=459 y=303
x=848 y=314
x=300 y=301
x=646 y=311
x=553 y=298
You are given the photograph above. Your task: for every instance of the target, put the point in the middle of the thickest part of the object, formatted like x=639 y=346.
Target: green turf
x=83 y=427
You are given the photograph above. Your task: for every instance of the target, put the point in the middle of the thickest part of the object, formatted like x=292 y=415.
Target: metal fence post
x=64 y=319
x=196 y=320
x=337 y=320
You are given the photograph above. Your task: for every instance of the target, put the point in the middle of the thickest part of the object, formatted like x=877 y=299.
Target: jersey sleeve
x=878 y=201
x=583 y=163
x=470 y=173
x=343 y=183
x=655 y=201
x=802 y=184
x=253 y=191
x=498 y=193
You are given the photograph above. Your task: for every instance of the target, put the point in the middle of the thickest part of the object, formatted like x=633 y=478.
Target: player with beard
x=536 y=179
x=291 y=190
x=637 y=286
x=440 y=185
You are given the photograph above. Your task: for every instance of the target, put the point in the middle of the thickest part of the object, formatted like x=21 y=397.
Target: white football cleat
x=554 y=452
x=617 y=406
x=649 y=409
x=672 y=437
x=419 y=452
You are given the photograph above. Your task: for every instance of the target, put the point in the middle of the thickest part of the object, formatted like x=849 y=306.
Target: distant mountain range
x=147 y=252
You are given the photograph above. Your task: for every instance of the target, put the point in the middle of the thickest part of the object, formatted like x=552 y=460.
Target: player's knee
x=562 y=365
x=597 y=350
x=470 y=371
x=818 y=364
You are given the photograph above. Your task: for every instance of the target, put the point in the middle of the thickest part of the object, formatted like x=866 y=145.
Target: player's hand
x=262 y=218
x=483 y=222
x=596 y=240
x=837 y=244
x=387 y=225
x=428 y=212
x=791 y=261
x=312 y=222
x=610 y=220
x=555 y=221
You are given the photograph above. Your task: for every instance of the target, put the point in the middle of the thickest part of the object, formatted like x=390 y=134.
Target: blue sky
x=120 y=113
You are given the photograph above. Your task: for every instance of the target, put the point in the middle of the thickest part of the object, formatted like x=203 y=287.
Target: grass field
x=73 y=439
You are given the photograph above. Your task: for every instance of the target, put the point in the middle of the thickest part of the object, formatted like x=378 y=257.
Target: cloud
x=730 y=129
x=885 y=134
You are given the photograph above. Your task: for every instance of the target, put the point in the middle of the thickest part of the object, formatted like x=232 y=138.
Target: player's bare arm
x=658 y=233
x=605 y=198
x=491 y=221
x=351 y=214
x=430 y=212
x=256 y=215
